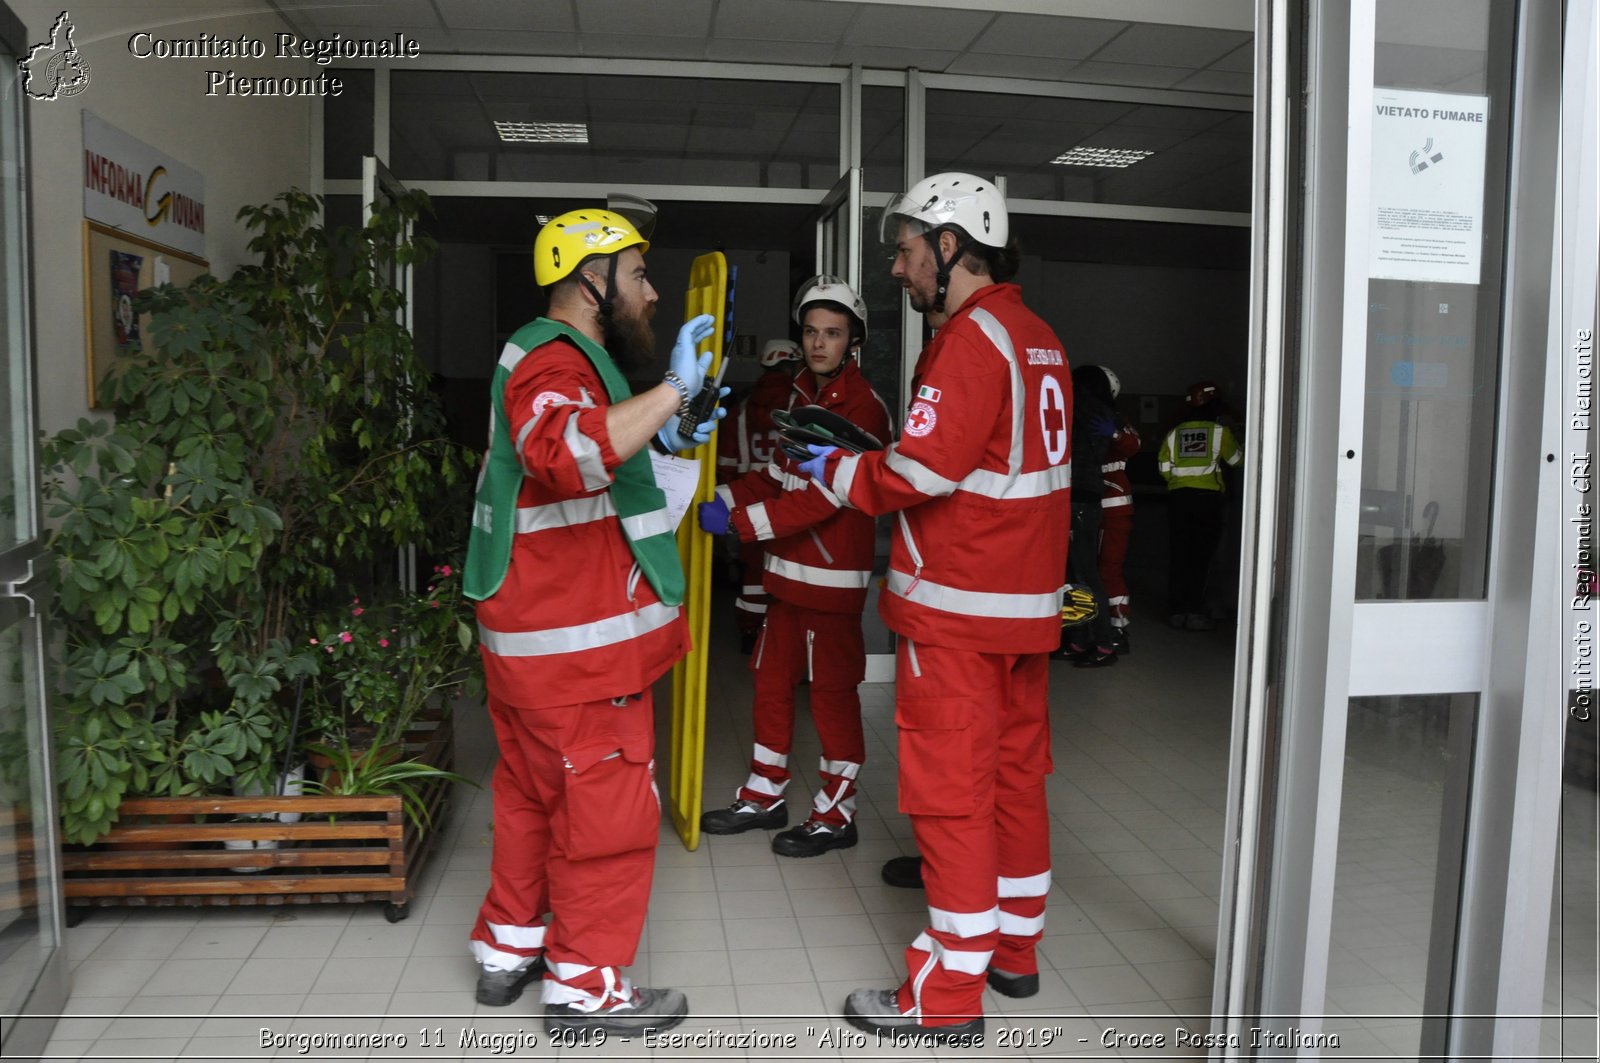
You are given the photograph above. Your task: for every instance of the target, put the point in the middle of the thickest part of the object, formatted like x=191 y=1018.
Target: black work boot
x=903 y=871
x=1013 y=985
x=742 y=816
x=499 y=988
x=813 y=838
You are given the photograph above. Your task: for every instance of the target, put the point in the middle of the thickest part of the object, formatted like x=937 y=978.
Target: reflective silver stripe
x=740 y=603
x=763 y=755
x=918 y=475
x=962 y=960
x=1113 y=501
x=1032 y=886
x=483 y=516
x=522 y=438
x=844 y=476
x=586 y=452
x=579 y=637
x=1002 y=341
x=1114 y=466
x=823 y=550
x=763 y=785
x=518 y=937
x=565 y=514
x=911 y=656
x=758 y=520
x=494 y=959
x=964 y=924
x=1193 y=470
x=974 y=603
x=1020 y=925
x=724 y=492
x=845 y=769
x=511 y=356
x=643 y=525
x=991 y=484
x=854 y=579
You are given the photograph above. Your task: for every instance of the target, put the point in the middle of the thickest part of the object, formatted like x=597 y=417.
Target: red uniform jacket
x=748 y=439
x=819 y=555
x=1117 y=489
x=575 y=620
x=982 y=480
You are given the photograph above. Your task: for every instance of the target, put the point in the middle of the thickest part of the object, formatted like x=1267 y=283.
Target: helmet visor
x=900 y=209
x=639 y=212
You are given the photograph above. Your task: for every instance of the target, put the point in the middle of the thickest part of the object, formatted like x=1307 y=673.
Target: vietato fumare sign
x=140 y=190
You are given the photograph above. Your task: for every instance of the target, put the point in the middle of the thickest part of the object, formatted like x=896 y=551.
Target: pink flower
x=384 y=643
x=345 y=636
x=444 y=570
x=357 y=611
x=433 y=605
x=313 y=642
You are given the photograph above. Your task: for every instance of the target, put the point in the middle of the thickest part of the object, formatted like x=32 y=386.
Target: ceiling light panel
x=1105 y=158
x=543 y=132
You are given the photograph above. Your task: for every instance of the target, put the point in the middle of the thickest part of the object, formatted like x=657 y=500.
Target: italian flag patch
x=928 y=394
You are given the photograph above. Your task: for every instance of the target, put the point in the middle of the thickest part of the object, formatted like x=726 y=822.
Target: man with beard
x=574 y=566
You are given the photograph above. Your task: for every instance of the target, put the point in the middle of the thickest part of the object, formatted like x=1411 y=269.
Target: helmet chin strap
x=942 y=268
x=836 y=370
x=604 y=307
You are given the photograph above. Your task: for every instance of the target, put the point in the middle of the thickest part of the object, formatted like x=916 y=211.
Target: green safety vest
x=639 y=503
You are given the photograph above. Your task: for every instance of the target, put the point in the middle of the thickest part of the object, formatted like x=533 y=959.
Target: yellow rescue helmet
x=567 y=240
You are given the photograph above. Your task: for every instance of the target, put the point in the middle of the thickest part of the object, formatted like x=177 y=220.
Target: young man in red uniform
x=981 y=481
x=1116 y=504
x=747 y=442
x=818 y=565
x=573 y=562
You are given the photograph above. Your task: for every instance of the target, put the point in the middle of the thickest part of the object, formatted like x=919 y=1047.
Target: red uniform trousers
x=750 y=607
x=1115 y=529
x=577 y=817
x=829 y=648
x=974 y=751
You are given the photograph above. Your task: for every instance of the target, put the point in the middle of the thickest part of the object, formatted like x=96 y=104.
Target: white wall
x=248 y=150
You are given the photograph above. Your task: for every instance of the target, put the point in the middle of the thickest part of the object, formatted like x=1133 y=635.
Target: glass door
x=33 y=979
x=1393 y=833
x=381 y=188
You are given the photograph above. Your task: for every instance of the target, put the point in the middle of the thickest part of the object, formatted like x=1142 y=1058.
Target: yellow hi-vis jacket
x=1192 y=454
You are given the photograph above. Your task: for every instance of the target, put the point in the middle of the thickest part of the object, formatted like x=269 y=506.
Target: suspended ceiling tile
x=1044 y=36
x=1184 y=46
x=1129 y=74
x=895 y=58
x=794 y=53
x=933 y=28
x=810 y=21
x=622 y=18
x=510 y=42
x=1242 y=60
x=367 y=18
x=546 y=16
x=985 y=64
x=1222 y=81
x=635 y=46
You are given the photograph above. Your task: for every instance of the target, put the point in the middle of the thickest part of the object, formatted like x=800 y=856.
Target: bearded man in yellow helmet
x=573 y=563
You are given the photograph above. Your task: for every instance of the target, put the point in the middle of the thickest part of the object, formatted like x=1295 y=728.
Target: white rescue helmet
x=776 y=352
x=960 y=199
x=1111 y=379
x=826 y=288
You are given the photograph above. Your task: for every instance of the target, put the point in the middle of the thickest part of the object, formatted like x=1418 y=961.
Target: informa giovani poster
x=1428 y=156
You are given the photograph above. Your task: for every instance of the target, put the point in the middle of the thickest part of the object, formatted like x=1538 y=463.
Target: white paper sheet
x=679 y=478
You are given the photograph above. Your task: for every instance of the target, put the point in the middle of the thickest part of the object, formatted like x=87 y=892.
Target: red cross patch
x=920 y=419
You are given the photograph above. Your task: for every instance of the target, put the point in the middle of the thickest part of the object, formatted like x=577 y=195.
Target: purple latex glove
x=1102 y=426
x=813 y=467
x=714 y=517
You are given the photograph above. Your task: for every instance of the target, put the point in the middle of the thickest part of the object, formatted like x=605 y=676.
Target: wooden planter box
x=171 y=850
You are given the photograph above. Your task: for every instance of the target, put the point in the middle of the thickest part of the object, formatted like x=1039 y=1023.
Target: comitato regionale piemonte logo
x=55 y=68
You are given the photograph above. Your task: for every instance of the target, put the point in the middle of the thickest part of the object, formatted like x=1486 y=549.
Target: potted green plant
x=381 y=770
x=273 y=445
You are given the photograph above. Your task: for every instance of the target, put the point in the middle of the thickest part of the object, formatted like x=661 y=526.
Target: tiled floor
x=768 y=947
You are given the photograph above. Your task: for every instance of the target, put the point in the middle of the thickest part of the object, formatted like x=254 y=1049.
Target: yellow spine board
x=708 y=294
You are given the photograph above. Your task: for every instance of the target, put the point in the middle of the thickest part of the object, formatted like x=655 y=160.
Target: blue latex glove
x=690 y=366
x=674 y=440
x=813 y=468
x=1102 y=426
x=714 y=517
